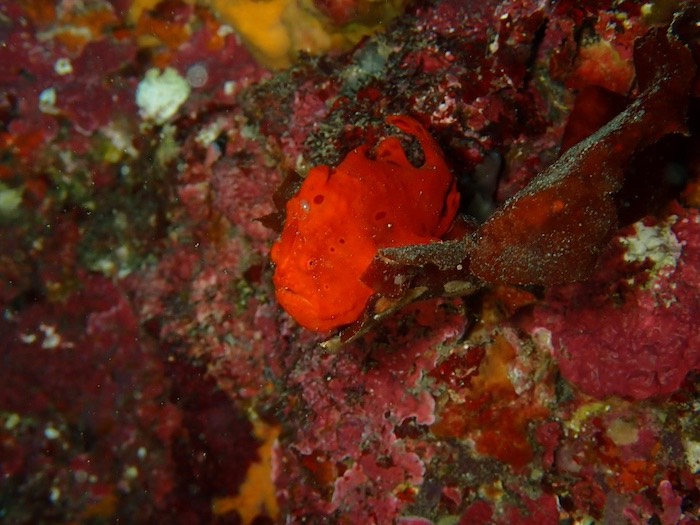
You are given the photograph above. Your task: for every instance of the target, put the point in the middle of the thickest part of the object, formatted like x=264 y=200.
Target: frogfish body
x=341 y=216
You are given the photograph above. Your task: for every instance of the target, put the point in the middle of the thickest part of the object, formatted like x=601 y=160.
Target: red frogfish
x=341 y=216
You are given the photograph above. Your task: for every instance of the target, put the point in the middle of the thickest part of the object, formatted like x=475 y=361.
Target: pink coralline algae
x=124 y=431
x=44 y=82
x=631 y=330
x=206 y=295
x=540 y=511
x=360 y=452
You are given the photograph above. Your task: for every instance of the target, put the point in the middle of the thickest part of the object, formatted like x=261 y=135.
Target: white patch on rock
x=160 y=94
x=656 y=243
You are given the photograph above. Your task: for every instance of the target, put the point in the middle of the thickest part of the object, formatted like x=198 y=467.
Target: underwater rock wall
x=147 y=373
